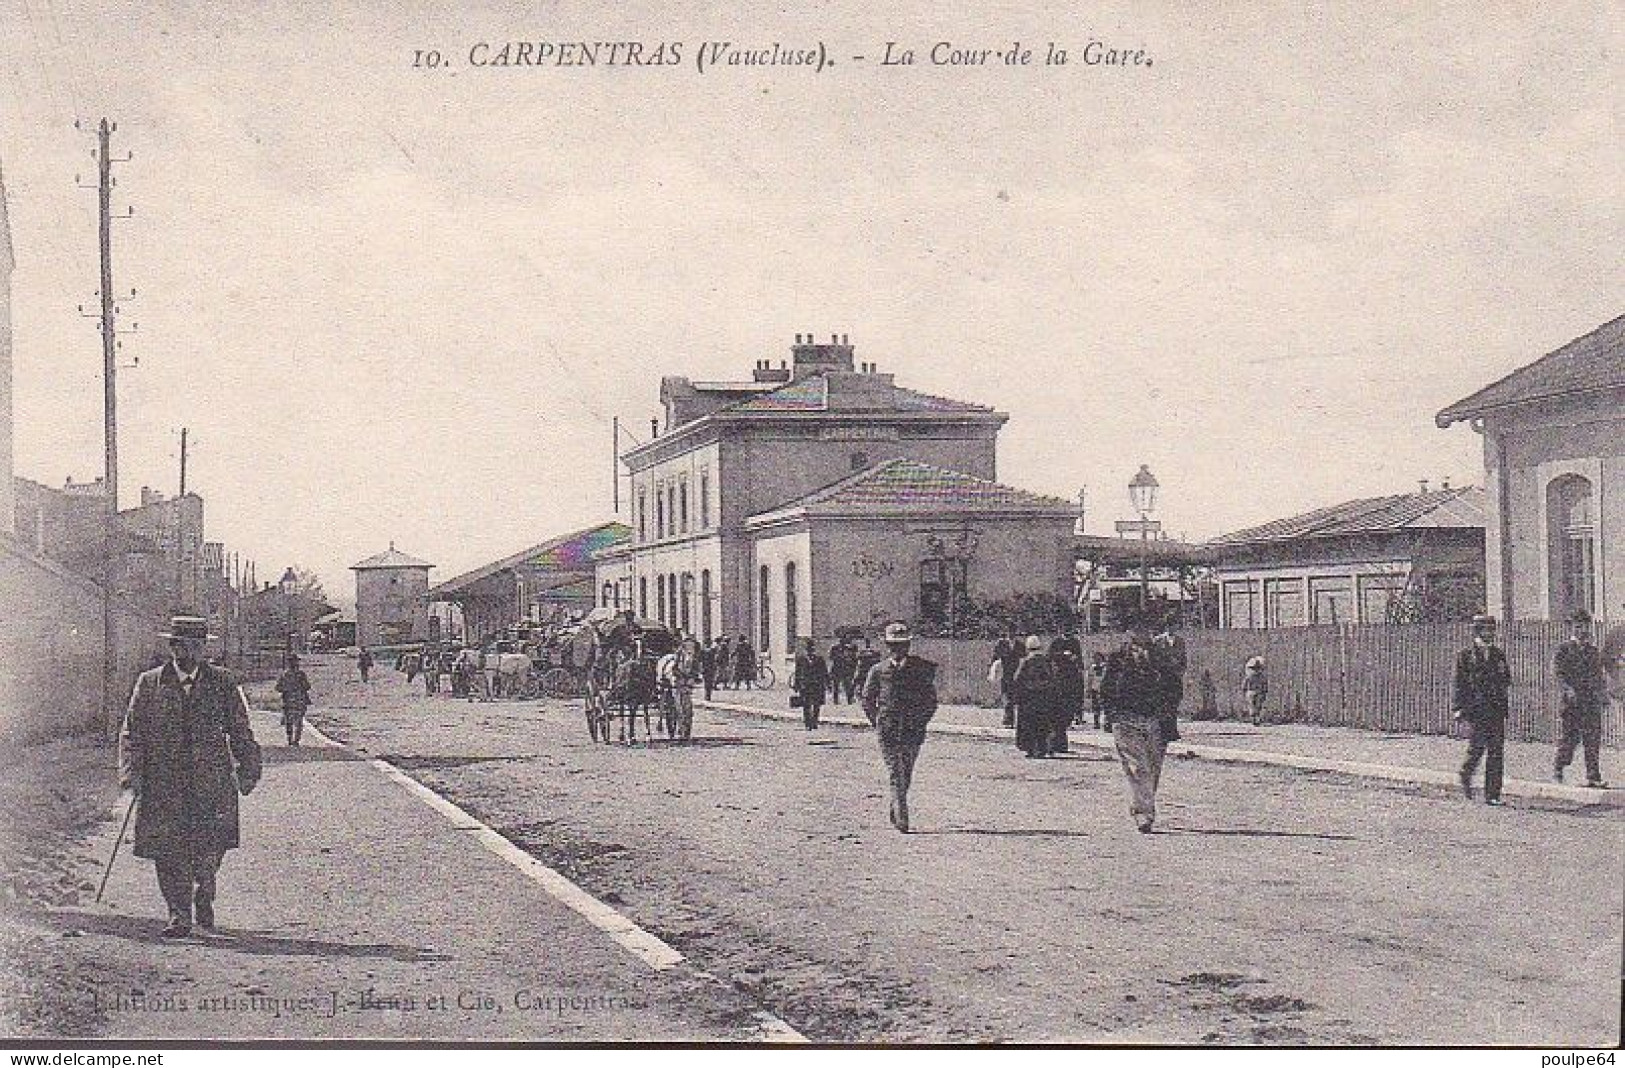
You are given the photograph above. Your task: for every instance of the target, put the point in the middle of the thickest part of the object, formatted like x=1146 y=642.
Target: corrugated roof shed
x=1462 y=506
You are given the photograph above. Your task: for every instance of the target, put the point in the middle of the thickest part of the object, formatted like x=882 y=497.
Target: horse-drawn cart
x=623 y=683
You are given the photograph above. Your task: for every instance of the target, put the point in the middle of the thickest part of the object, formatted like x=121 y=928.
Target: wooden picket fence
x=1394 y=678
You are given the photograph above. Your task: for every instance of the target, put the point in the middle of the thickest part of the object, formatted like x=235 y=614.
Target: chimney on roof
x=1446 y=483
x=810 y=357
x=1424 y=484
x=654 y=427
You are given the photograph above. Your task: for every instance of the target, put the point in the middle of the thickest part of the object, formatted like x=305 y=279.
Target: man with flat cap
x=1479 y=699
x=186 y=751
x=1584 y=681
x=900 y=697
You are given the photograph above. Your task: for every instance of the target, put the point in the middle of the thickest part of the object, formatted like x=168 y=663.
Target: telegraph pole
x=183 y=461
x=104 y=199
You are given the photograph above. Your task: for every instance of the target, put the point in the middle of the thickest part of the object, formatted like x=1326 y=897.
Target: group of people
x=186 y=751
x=1480 y=699
x=728 y=663
x=816 y=678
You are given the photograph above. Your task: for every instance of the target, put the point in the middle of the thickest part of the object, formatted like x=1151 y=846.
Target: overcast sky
x=400 y=304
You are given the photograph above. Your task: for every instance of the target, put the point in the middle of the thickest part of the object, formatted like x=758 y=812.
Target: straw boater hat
x=897 y=633
x=194 y=628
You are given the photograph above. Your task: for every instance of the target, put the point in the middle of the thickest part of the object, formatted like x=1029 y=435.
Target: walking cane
x=117 y=842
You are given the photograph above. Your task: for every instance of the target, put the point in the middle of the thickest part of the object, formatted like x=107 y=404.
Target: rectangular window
x=1331 y=600
x=1240 y=604
x=1283 y=602
x=1380 y=597
x=643 y=596
x=790 y=607
x=705 y=499
x=682 y=506
x=643 y=516
x=686 y=601
x=764 y=608
x=660 y=598
x=705 y=605
x=660 y=512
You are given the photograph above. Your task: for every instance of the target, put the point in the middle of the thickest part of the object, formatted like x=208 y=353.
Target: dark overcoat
x=1580 y=668
x=811 y=677
x=1481 y=684
x=1134 y=683
x=900 y=699
x=187 y=757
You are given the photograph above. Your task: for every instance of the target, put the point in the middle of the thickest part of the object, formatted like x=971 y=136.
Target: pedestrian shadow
x=1011 y=832
x=1251 y=832
x=237 y=940
x=312 y=754
x=691 y=743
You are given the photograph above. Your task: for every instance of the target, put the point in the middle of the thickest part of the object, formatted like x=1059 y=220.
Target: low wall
x=51 y=650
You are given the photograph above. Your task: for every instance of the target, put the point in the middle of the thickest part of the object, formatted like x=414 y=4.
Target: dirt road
x=1272 y=907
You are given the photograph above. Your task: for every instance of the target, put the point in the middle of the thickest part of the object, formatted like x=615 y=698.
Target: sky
x=398 y=304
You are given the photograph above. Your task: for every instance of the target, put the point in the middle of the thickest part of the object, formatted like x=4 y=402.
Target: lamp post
x=287 y=585
x=1142 y=491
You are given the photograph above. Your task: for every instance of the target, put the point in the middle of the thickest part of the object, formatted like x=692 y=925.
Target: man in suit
x=900 y=697
x=186 y=751
x=1482 y=683
x=1580 y=671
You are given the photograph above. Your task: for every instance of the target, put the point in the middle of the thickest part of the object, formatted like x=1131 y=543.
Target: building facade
x=822 y=494
x=1375 y=560
x=1554 y=462
x=391 y=599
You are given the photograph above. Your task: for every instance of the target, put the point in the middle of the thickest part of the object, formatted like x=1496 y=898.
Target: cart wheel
x=531 y=689
x=556 y=682
x=765 y=678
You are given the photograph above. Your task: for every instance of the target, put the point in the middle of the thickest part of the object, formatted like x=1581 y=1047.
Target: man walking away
x=186 y=751
x=809 y=681
x=1071 y=689
x=1255 y=686
x=1480 y=699
x=1584 y=682
x=1035 y=688
x=1133 y=691
x=364 y=663
x=294 y=686
x=900 y=697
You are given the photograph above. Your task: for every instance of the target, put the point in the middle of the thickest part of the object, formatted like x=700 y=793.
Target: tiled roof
x=1462 y=506
x=567 y=552
x=1595 y=361
x=390 y=558
x=811 y=394
x=908 y=485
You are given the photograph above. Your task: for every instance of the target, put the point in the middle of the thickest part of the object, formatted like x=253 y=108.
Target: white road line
x=647 y=947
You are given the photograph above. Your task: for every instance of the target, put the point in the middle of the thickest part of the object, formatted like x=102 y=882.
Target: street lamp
x=1142 y=491
x=287 y=585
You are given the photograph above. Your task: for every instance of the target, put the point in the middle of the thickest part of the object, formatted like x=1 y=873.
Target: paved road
x=1272 y=907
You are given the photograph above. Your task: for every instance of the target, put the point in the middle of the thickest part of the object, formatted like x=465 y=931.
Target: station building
x=820 y=494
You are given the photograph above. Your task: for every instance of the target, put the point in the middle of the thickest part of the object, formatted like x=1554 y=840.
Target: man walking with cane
x=186 y=750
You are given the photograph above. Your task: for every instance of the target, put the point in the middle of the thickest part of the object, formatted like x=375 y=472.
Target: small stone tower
x=391 y=599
